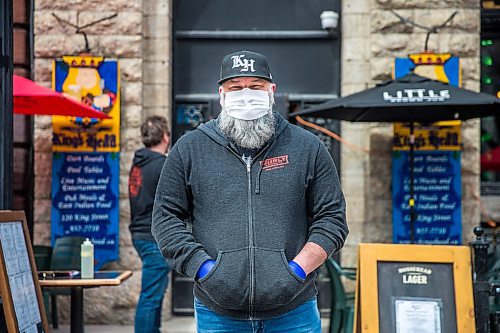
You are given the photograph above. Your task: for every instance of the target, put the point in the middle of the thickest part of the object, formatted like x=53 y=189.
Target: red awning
x=33 y=99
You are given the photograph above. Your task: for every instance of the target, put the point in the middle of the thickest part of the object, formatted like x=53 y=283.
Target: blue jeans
x=304 y=319
x=154 y=283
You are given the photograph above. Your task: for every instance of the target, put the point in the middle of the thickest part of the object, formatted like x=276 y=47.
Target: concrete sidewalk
x=174 y=325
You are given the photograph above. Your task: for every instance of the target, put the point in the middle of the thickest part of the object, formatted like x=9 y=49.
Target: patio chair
x=342 y=311
x=42 y=254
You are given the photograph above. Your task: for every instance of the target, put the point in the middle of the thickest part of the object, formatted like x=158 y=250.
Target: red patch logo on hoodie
x=135 y=181
x=274 y=162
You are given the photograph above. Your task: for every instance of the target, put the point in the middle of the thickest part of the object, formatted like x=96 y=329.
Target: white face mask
x=246 y=104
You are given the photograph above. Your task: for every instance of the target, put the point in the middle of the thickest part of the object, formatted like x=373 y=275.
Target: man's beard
x=250 y=134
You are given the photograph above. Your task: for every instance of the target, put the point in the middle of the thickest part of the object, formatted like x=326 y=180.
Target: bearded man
x=265 y=204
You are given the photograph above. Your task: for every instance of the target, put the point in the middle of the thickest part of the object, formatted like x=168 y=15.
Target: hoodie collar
x=211 y=129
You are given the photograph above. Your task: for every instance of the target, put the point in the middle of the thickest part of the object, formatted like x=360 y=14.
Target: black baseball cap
x=244 y=63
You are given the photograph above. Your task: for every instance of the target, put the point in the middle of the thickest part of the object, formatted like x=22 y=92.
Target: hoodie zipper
x=248 y=163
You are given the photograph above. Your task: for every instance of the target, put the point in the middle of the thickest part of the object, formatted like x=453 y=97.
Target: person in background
x=144 y=175
x=266 y=207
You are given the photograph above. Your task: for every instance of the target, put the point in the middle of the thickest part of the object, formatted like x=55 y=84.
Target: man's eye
x=256 y=87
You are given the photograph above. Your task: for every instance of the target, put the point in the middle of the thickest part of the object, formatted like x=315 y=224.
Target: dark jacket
x=144 y=175
x=252 y=219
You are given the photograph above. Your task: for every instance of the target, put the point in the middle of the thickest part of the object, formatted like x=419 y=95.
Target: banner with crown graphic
x=86 y=156
x=94 y=81
x=437 y=158
x=437 y=66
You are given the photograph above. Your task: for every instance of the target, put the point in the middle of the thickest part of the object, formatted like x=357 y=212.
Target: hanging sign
x=438 y=197
x=437 y=171
x=85 y=200
x=443 y=135
x=85 y=162
x=436 y=66
x=93 y=81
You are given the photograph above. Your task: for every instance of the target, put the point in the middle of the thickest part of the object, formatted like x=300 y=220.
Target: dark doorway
x=304 y=60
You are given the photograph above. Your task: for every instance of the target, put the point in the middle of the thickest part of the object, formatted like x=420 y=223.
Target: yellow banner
x=442 y=135
x=96 y=82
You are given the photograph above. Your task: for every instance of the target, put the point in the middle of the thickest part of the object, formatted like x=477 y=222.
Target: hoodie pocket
x=275 y=284
x=227 y=283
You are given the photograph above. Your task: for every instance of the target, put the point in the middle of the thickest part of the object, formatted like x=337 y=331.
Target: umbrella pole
x=411 y=202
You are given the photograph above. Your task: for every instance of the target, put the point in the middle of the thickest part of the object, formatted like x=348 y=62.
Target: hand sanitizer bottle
x=87 y=262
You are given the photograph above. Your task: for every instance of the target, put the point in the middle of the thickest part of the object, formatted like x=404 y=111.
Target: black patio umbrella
x=411 y=98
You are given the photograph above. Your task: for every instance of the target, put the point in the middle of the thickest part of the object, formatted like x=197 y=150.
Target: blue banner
x=85 y=200
x=438 y=197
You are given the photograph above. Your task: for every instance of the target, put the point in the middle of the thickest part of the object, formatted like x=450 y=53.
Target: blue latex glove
x=205 y=268
x=297 y=269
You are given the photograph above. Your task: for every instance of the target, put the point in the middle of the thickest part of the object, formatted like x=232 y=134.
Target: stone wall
x=139 y=37
x=372 y=36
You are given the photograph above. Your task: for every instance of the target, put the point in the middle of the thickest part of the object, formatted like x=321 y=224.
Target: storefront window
x=490 y=84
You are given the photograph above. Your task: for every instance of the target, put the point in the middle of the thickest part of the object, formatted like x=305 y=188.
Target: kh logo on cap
x=242 y=64
x=245 y=63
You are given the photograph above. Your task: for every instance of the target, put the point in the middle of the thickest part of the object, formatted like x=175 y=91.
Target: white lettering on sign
x=414 y=279
x=245 y=63
x=417 y=95
x=414 y=274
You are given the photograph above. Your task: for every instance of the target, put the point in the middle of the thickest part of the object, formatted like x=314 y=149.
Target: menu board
x=18 y=283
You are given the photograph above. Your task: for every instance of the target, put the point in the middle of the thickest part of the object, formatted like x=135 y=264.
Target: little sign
x=416 y=96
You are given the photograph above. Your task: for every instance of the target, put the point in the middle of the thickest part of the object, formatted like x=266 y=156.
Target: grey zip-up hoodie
x=251 y=218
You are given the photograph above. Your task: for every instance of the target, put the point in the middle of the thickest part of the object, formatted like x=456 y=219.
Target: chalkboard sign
x=414 y=288
x=20 y=291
